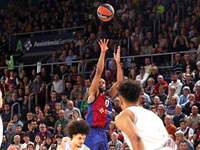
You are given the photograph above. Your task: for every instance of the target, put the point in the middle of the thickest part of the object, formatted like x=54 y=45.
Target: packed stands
x=160 y=44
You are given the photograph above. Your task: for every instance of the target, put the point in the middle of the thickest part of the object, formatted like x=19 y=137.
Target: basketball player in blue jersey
x=99 y=104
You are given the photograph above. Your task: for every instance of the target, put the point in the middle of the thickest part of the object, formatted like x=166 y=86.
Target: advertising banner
x=41 y=43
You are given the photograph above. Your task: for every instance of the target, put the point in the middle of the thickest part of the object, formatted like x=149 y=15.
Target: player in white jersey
x=67 y=146
x=142 y=129
x=77 y=131
x=1 y=123
x=11 y=147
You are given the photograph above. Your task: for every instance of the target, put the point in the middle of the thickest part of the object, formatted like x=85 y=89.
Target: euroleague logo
x=103 y=16
x=28 y=44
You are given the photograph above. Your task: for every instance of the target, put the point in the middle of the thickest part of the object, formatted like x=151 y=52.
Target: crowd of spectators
x=176 y=101
x=133 y=19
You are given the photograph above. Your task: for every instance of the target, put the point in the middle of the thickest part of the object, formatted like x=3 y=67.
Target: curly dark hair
x=130 y=90
x=77 y=127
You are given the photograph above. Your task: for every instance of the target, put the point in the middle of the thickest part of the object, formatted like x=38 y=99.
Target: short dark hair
x=33 y=120
x=29 y=145
x=48 y=137
x=68 y=82
x=38 y=74
x=77 y=127
x=59 y=136
x=19 y=126
x=130 y=90
x=182 y=120
x=38 y=106
x=162 y=86
x=88 y=79
x=112 y=145
x=183 y=141
x=80 y=75
x=57 y=74
x=63 y=94
x=75 y=84
x=25 y=134
x=7 y=104
x=43 y=67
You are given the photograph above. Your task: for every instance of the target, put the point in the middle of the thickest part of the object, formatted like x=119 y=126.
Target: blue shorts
x=97 y=139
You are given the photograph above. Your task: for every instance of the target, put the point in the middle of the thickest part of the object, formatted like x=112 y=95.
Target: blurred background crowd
x=161 y=36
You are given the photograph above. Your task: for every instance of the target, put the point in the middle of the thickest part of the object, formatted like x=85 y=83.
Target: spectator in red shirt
x=44 y=132
x=197 y=94
x=160 y=82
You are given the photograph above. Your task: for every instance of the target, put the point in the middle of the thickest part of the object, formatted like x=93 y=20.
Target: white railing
x=12 y=111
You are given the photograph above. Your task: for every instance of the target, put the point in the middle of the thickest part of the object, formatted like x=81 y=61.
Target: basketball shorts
x=97 y=139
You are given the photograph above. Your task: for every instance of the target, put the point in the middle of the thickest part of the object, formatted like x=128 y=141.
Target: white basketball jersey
x=1 y=131
x=150 y=128
x=67 y=146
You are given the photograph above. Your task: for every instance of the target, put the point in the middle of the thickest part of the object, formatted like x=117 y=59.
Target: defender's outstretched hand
x=103 y=45
x=117 y=56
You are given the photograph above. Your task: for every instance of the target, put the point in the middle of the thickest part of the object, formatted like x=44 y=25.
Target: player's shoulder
x=66 y=139
x=124 y=115
x=87 y=148
x=63 y=144
x=124 y=118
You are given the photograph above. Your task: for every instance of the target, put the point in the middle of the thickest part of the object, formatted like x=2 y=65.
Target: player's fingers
x=107 y=41
x=104 y=40
x=118 y=49
x=115 y=56
x=100 y=40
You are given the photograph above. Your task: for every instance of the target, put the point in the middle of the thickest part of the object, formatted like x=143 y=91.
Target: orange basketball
x=105 y=12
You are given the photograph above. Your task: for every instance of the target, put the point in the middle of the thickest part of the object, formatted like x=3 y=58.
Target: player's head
x=102 y=85
x=129 y=92
x=77 y=131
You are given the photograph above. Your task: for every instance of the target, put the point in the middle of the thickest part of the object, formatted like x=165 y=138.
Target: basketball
x=105 y=12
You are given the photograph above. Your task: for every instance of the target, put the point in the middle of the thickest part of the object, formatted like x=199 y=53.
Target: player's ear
x=120 y=100
x=73 y=136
